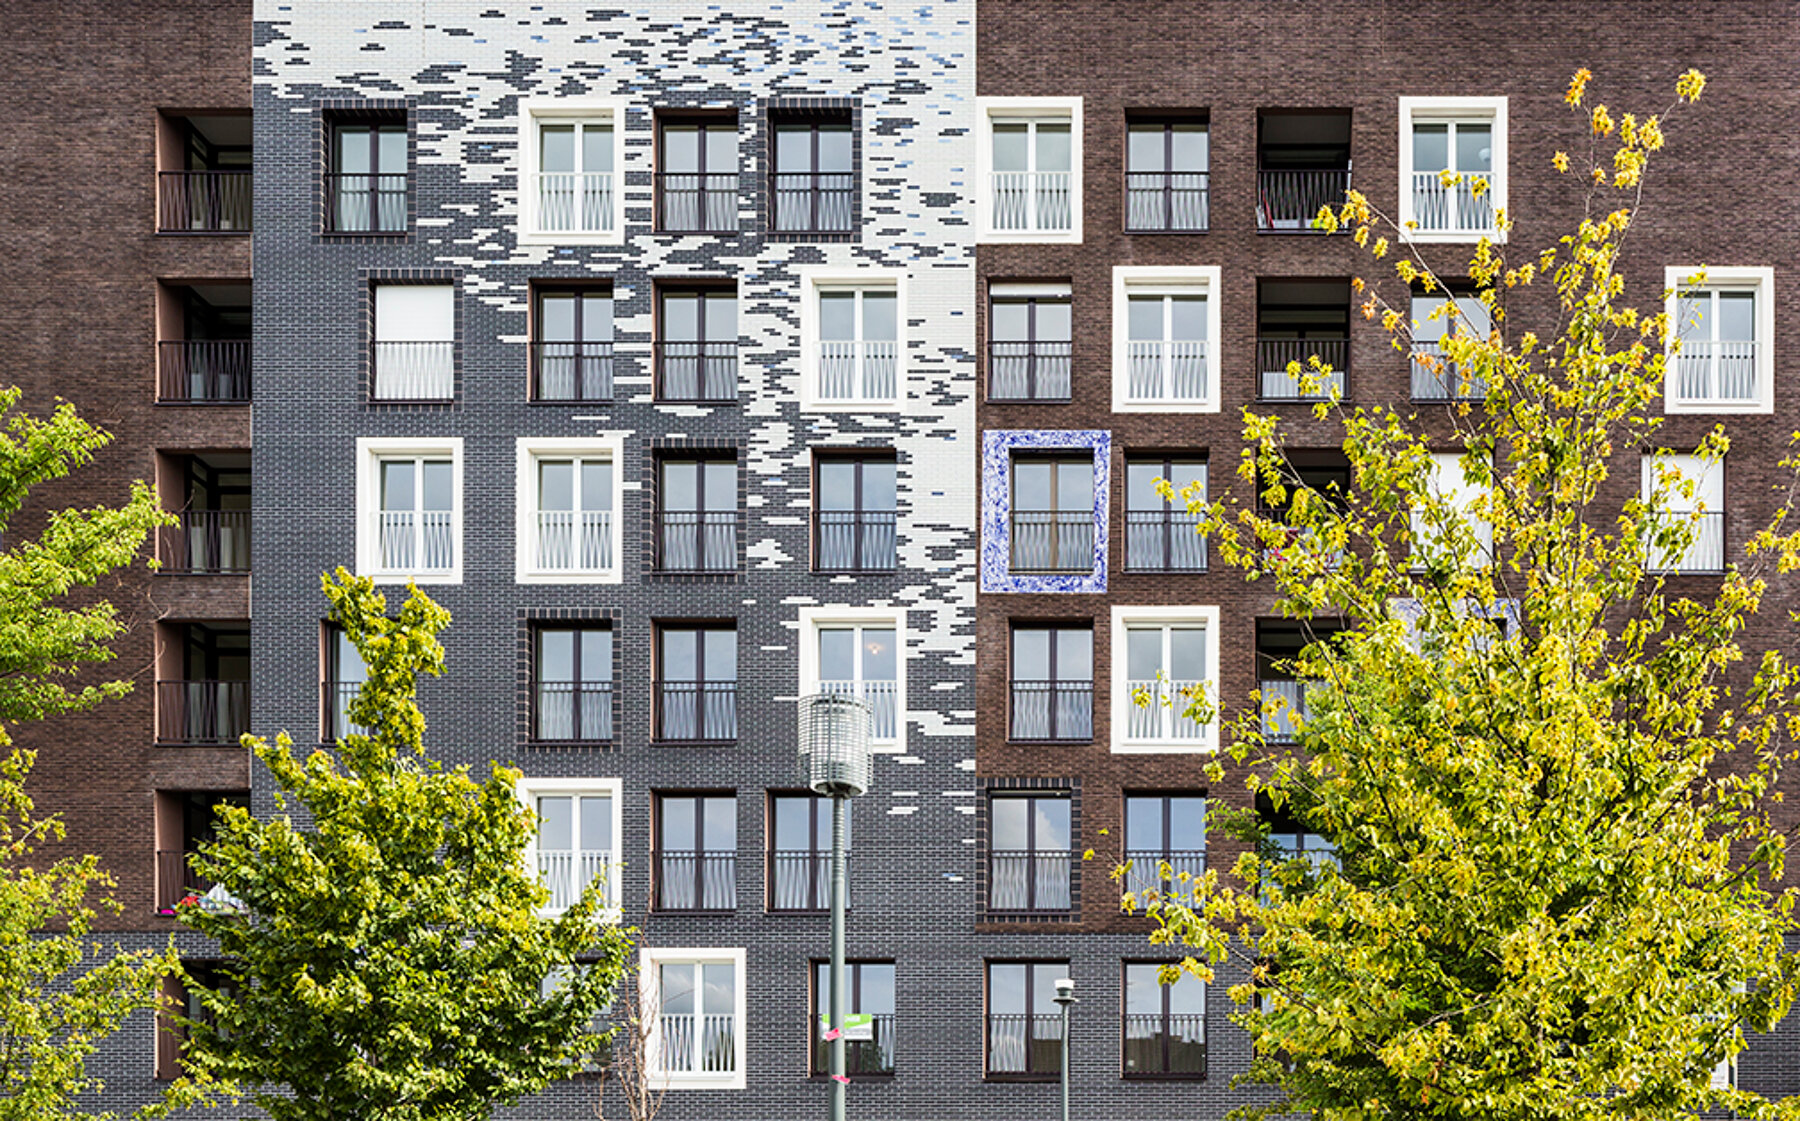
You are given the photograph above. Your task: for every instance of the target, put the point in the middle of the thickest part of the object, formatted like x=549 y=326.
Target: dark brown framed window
x=1052 y=682
x=1163 y=1027
x=855 y=512
x=1167 y=173
x=1327 y=475
x=203 y=693
x=185 y=820
x=344 y=675
x=368 y=175
x=1302 y=164
x=696 y=852
x=203 y=343
x=214 y=533
x=1279 y=642
x=1024 y=1023
x=203 y=173
x=869 y=1009
x=697 y=344
x=696 y=686
x=696 y=514
x=572 y=344
x=1052 y=513
x=812 y=178
x=572 y=685
x=697 y=177
x=1296 y=321
x=1030 y=342
x=1163 y=536
x=1030 y=859
x=1165 y=829
x=800 y=852
x=179 y=997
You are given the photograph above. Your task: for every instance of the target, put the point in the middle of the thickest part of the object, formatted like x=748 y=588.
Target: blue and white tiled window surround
x=997 y=451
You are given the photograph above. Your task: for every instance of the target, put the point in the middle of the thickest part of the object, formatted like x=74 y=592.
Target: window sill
x=1028 y=237
x=1161 y=1076
x=1070 y=740
x=854 y=571
x=412 y=401
x=875 y=1076
x=208 y=401
x=203 y=233
x=604 y=576
x=694 y=743
x=1204 y=746
x=1029 y=400
x=615 y=236
x=1183 y=406
x=713 y=912
x=590 y=744
x=1156 y=232
x=1020 y=1076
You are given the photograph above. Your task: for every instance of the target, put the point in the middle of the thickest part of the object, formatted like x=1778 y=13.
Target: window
x=1284 y=700
x=203 y=173
x=213 y=490
x=696 y=852
x=184 y=822
x=1448 y=479
x=697 y=687
x=1702 y=512
x=1045 y=509
x=1027 y=168
x=415 y=342
x=868 y=1017
x=1052 y=682
x=572 y=345
x=858 y=652
x=569 y=492
x=179 y=998
x=1164 y=321
x=1446 y=145
x=369 y=176
x=598 y=1060
x=696 y=998
x=1435 y=317
x=800 y=851
x=203 y=683
x=697 y=184
x=1024 y=1024
x=1297 y=321
x=812 y=181
x=1030 y=333
x=1302 y=164
x=578 y=838
x=203 y=343
x=1165 y=1025
x=1290 y=838
x=1724 y=322
x=572 y=152
x=1325 y=475
x=410 y=494
x=697 y=351
x=697 y=515
x=1166 y=163
x=344 y=675
x=851 y=328
x=1165 y=829
x=855 y=508
x=1052 y=513
x=572 y=685
x=1169 y=656
x=1030 y=863
x=1163 y=536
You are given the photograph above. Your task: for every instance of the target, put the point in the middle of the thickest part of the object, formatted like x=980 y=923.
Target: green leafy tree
x=387 y=959
x=1557 y=890
x=61 y=991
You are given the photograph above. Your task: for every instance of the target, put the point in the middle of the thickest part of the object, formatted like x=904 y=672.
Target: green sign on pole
x=859 y=1027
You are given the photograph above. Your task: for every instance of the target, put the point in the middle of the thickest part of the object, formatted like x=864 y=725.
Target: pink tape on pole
x=831 y=1034
x=841 y=1078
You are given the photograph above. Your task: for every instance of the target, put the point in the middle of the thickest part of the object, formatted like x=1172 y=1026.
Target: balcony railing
x=571 y=371
x=568 y=872
x=1288 y=199
x=1165 y=1046
x=573 y=712
x=1436 y=378
x=574 y=540
x=696 y=711
x=1167 y=201
x=862 y=370
x=1052 y=541
x=696 y=881
x=852 y=541
x=1164 y=541
x=415 y=540
x=335 y=698
x=195 y=370
x=415 y=370
x=1716 y=373
x=175 y=880
x=690 y=371
x=1052 y=710
x=697 y=204
x=1028 y=371
x=800 y=880
x=861 y=1056
x=1452 y=209
x=1276 y=384
x=1289 y=697
x=575 y=201
x=360 y=203
x=1146 y=868
x=1163 y=718
x=1166 y=370
x=883 y=700
x=202 y=712
x=690 y=1044
x=813 y=201
x=1018 y=1043
x=1034 y=880
x=203 y=202
x=1032 y=201
x=1705 y=551
x=207 y=541
x=695 y=541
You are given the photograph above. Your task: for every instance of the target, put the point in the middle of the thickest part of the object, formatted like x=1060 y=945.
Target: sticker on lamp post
x=859 y=1027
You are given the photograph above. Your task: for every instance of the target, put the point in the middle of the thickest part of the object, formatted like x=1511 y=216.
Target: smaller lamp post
x=1065 y=998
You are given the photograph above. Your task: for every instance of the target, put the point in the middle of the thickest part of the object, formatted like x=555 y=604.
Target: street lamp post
x=835 y=762
x=1065 y=998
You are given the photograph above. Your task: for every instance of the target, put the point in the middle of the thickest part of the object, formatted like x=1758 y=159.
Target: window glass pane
x=1191 y=143
x=556 y=147
x=721 y=149
x=879 y=486
x=1695 y=315
x=1052 y=147
x=879 y=650
x=1144 y=148
x=1474 y=316
x=1187 y=654
x=596 y=148
x=1187 y=997
x=721 y=317
x=1140 y=486
x=556 y=317
x=1187 y=824
x=677 y=824
x=721 y=825
x=1143 y=653
x=1075 y=655
x=680 y=485
x=1431 y=147
x=1006 y=989
x=1737 y=316
x=1182 y=473
x=1052 y=824
x=1474 y=147
x=1031 y=654
x=1044 y=975
x=397 y=484
x=596 y=655
x=879 y=322
x=352 y=149
x=596 y=823
x=837 y=315
x=347 y=666
x=1009 y=320
x=675 y=989
x=1144 y=826
x=1010 y=823
x=837 y=654
x=1010 y=146
x=834 y=149
x=680 y=316
x=596 y=484
x=1144 y=318
x=391 y=153
x=877 y=985
x=1031 y=484
x=1187 y=317
x=1053 y=321
x=596 y=317
x=556 y=484
x=721 y=989
x=557 y=829
x=793 y=148
x=721 y=485
x=556 y=655
x=1143 y=996
x=721 y=655
x=837 y=484
x=1075 y=485
x=681 y=148
x=680 y=651
x=436 y=486
x=792 y=826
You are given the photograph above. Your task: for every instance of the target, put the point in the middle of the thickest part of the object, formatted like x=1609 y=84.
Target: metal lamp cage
x=834 y=745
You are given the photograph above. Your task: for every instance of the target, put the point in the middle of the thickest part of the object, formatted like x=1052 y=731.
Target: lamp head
x=1065 y=992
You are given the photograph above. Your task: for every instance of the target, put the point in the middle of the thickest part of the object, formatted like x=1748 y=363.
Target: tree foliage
x=1548 y=777
x=386 y=959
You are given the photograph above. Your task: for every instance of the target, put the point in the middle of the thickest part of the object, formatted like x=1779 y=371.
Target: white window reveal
x=578 y=838
x=853 y=355
x=1724 y=327
x=1692 y=494
x=1028 y=169
x=572 y=151
x=1164 y=660
x=1457 y=494
x=409 y=501
x=696 y=1000
x=569 y=493
x=415 y=342
x=858 y=652
x=1447 y=145
x=1165 y=327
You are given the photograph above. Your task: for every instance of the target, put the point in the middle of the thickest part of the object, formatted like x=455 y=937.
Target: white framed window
x=1449 y=481
x=853 y=348
x=1170 y=654
x=409 y=505
x=569 y=493
x=579 y=838
x=572 y=163
x=696 y=999
x=1693 y=493
x=1165 y=332
x=1435 y=317
x=1724 y=320
x=1460 y=139
x=1028 y=169
x=415 y=342
x=861 y=652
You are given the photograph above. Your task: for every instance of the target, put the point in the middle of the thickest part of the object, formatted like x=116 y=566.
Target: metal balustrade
x=203 y=202
x=1163 y=717
x=1052 y=710
x=1030 y=880
x=1705 y=550
x=176 y=880
x=202 y=712
x=692 y=371
x=1167 y=201
x=568 y=872
x=852 y=541
x=696 y=541
x=1166 y=370
x=883 y=700
x=1452 y=208
x=694 y=710
x=203 y=370
x=800 y=879
x=575 y=201
x=1146 y=867
x=1436 y=378
x=573 y=712
x=1716 y=373
x=1289 y=198
x=688 y=202
x=1032 y=201
x=336 y=698
x=813 y=201
x=1164 y=541
x=1021 y=1043
x=859 y=370
x=415 y=540
x=1289 y=698
x=697 y=1044
x=571 y=371
x=574 y=540
x=414 y=370
x=210 y=541
x=362 y=203
x=861 y=1056
x=696 y=881
x=1029 y=371
x=1276 y=384
x=1052 y=541
x=1164 y=1045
